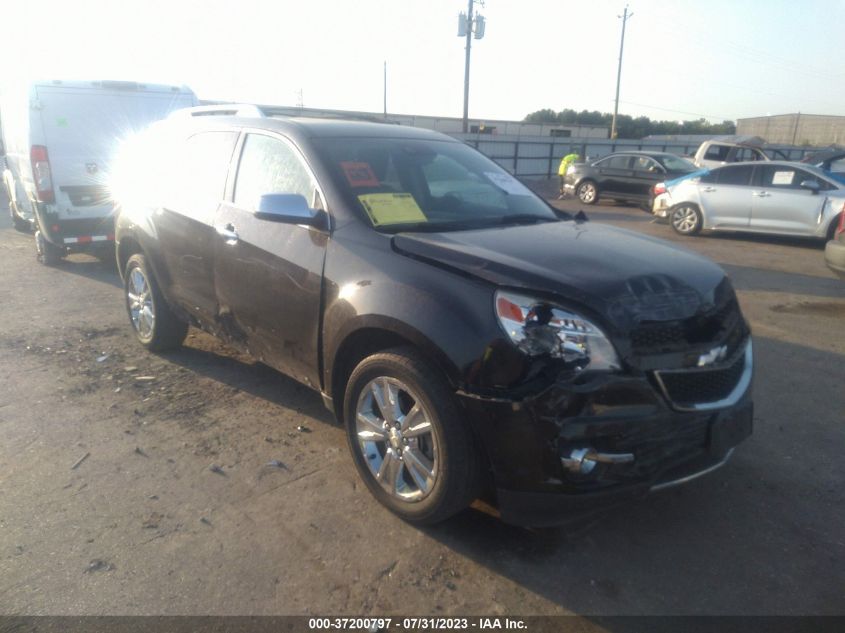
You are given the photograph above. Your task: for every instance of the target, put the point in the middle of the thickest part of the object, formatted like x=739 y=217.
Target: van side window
x=717 y=152
x=745 y=154
x=269 y=165
x=199 y=174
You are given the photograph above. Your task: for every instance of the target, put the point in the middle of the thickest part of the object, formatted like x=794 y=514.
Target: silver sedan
x=776 y=197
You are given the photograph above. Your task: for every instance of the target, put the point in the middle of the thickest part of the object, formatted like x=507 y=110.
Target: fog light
x=582 y=461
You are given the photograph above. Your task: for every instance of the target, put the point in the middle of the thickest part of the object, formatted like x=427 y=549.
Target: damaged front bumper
x=604 y=439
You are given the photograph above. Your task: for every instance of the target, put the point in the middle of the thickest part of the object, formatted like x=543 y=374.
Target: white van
x=61 y=139
x=722 y=150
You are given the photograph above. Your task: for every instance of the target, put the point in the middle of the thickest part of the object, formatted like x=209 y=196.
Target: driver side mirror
x=812 y=185
x=290 y=208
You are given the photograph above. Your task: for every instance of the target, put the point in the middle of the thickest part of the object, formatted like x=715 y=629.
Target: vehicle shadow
x=757 y=537
x=257 y=379
x=807 y=243
x=91 y=268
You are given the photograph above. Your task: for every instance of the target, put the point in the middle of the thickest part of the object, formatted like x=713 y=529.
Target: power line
x=706 y=116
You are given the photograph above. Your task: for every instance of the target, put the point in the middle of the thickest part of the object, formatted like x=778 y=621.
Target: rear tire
x=417 y=455
x=156 y=326
x=46 y=252
x=587 y=192
x=686 y=219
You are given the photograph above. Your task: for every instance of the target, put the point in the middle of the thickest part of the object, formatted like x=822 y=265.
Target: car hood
x=625 y=277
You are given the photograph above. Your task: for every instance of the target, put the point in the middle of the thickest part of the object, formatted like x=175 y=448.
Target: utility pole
x=625 y=17
x=469 y=26
x=466 y=66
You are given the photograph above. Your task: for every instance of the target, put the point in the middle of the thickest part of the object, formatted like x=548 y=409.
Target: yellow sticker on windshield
x=392 y=208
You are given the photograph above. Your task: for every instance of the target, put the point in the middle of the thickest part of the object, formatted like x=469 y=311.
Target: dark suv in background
x=473 y=341
x=624 y=176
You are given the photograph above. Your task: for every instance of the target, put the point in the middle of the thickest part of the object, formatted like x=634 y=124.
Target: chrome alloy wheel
x=397 y=439
x=685 y=219
x=139 y=297
x=587 y=192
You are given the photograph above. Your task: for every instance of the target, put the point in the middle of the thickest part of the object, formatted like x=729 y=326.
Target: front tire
x=686 y=219
x=156 y=326
x=587 y=192
x=409 y=443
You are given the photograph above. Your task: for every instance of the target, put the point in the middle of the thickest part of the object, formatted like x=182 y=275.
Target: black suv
x=624 y=176
x=474 y=342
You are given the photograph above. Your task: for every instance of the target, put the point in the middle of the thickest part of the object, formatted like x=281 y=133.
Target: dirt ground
x=132 y=483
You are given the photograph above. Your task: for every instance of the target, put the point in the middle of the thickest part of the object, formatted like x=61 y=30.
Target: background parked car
x=777 y=197
x=734 y=149
x=830 y=159
x=626 y=176
x=61 y=138
x=834 y=250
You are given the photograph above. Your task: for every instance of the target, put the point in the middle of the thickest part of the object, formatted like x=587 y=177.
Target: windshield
x=674 y=163
x=408 y=184
x=838 y=178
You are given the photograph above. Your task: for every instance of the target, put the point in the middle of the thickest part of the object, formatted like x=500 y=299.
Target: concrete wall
x=795 y=129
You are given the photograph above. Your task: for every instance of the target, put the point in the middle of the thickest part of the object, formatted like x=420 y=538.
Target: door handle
x=709 y=189
x=760 y=194
x=228 y=233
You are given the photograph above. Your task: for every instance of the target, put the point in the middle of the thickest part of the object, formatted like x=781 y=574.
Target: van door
x=83 y=129
x=195 y=189
x=268 y=276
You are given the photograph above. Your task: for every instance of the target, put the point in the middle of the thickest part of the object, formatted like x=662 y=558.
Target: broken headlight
x=538 y=328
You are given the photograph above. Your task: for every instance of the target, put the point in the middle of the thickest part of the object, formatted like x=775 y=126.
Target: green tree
x=629 y=127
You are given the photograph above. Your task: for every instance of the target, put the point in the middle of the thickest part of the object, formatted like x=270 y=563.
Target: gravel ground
x=139 y=484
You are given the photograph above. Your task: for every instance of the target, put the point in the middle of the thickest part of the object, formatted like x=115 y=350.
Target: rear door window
x=271 y=165
x=618 y=162
x=733 y=175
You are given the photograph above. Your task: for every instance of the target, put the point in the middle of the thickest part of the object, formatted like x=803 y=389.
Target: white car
x=777 y=197
x=61 y=139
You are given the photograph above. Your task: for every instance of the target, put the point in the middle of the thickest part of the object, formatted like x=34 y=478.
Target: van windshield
x=402 y=184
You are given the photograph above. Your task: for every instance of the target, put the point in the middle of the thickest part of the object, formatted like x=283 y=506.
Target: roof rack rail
x=221 y=109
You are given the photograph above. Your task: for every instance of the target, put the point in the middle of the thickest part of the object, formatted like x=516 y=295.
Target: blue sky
x=719 y=59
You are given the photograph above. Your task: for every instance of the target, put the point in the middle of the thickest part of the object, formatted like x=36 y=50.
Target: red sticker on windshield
x=359 y=174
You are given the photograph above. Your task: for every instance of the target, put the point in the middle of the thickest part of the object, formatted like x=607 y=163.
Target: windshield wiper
x=525 y=218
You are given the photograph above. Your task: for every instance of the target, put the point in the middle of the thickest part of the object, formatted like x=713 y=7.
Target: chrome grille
x=708 y=387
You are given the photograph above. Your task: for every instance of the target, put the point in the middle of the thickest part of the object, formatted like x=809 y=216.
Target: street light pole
x=625 y=16
x=466 y=67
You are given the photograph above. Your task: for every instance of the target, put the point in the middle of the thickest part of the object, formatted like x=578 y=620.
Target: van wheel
x=21 y=224
x=587 y=192
x=47 y=253
x=686 y=219
x=408 y=441
x=156 y=326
